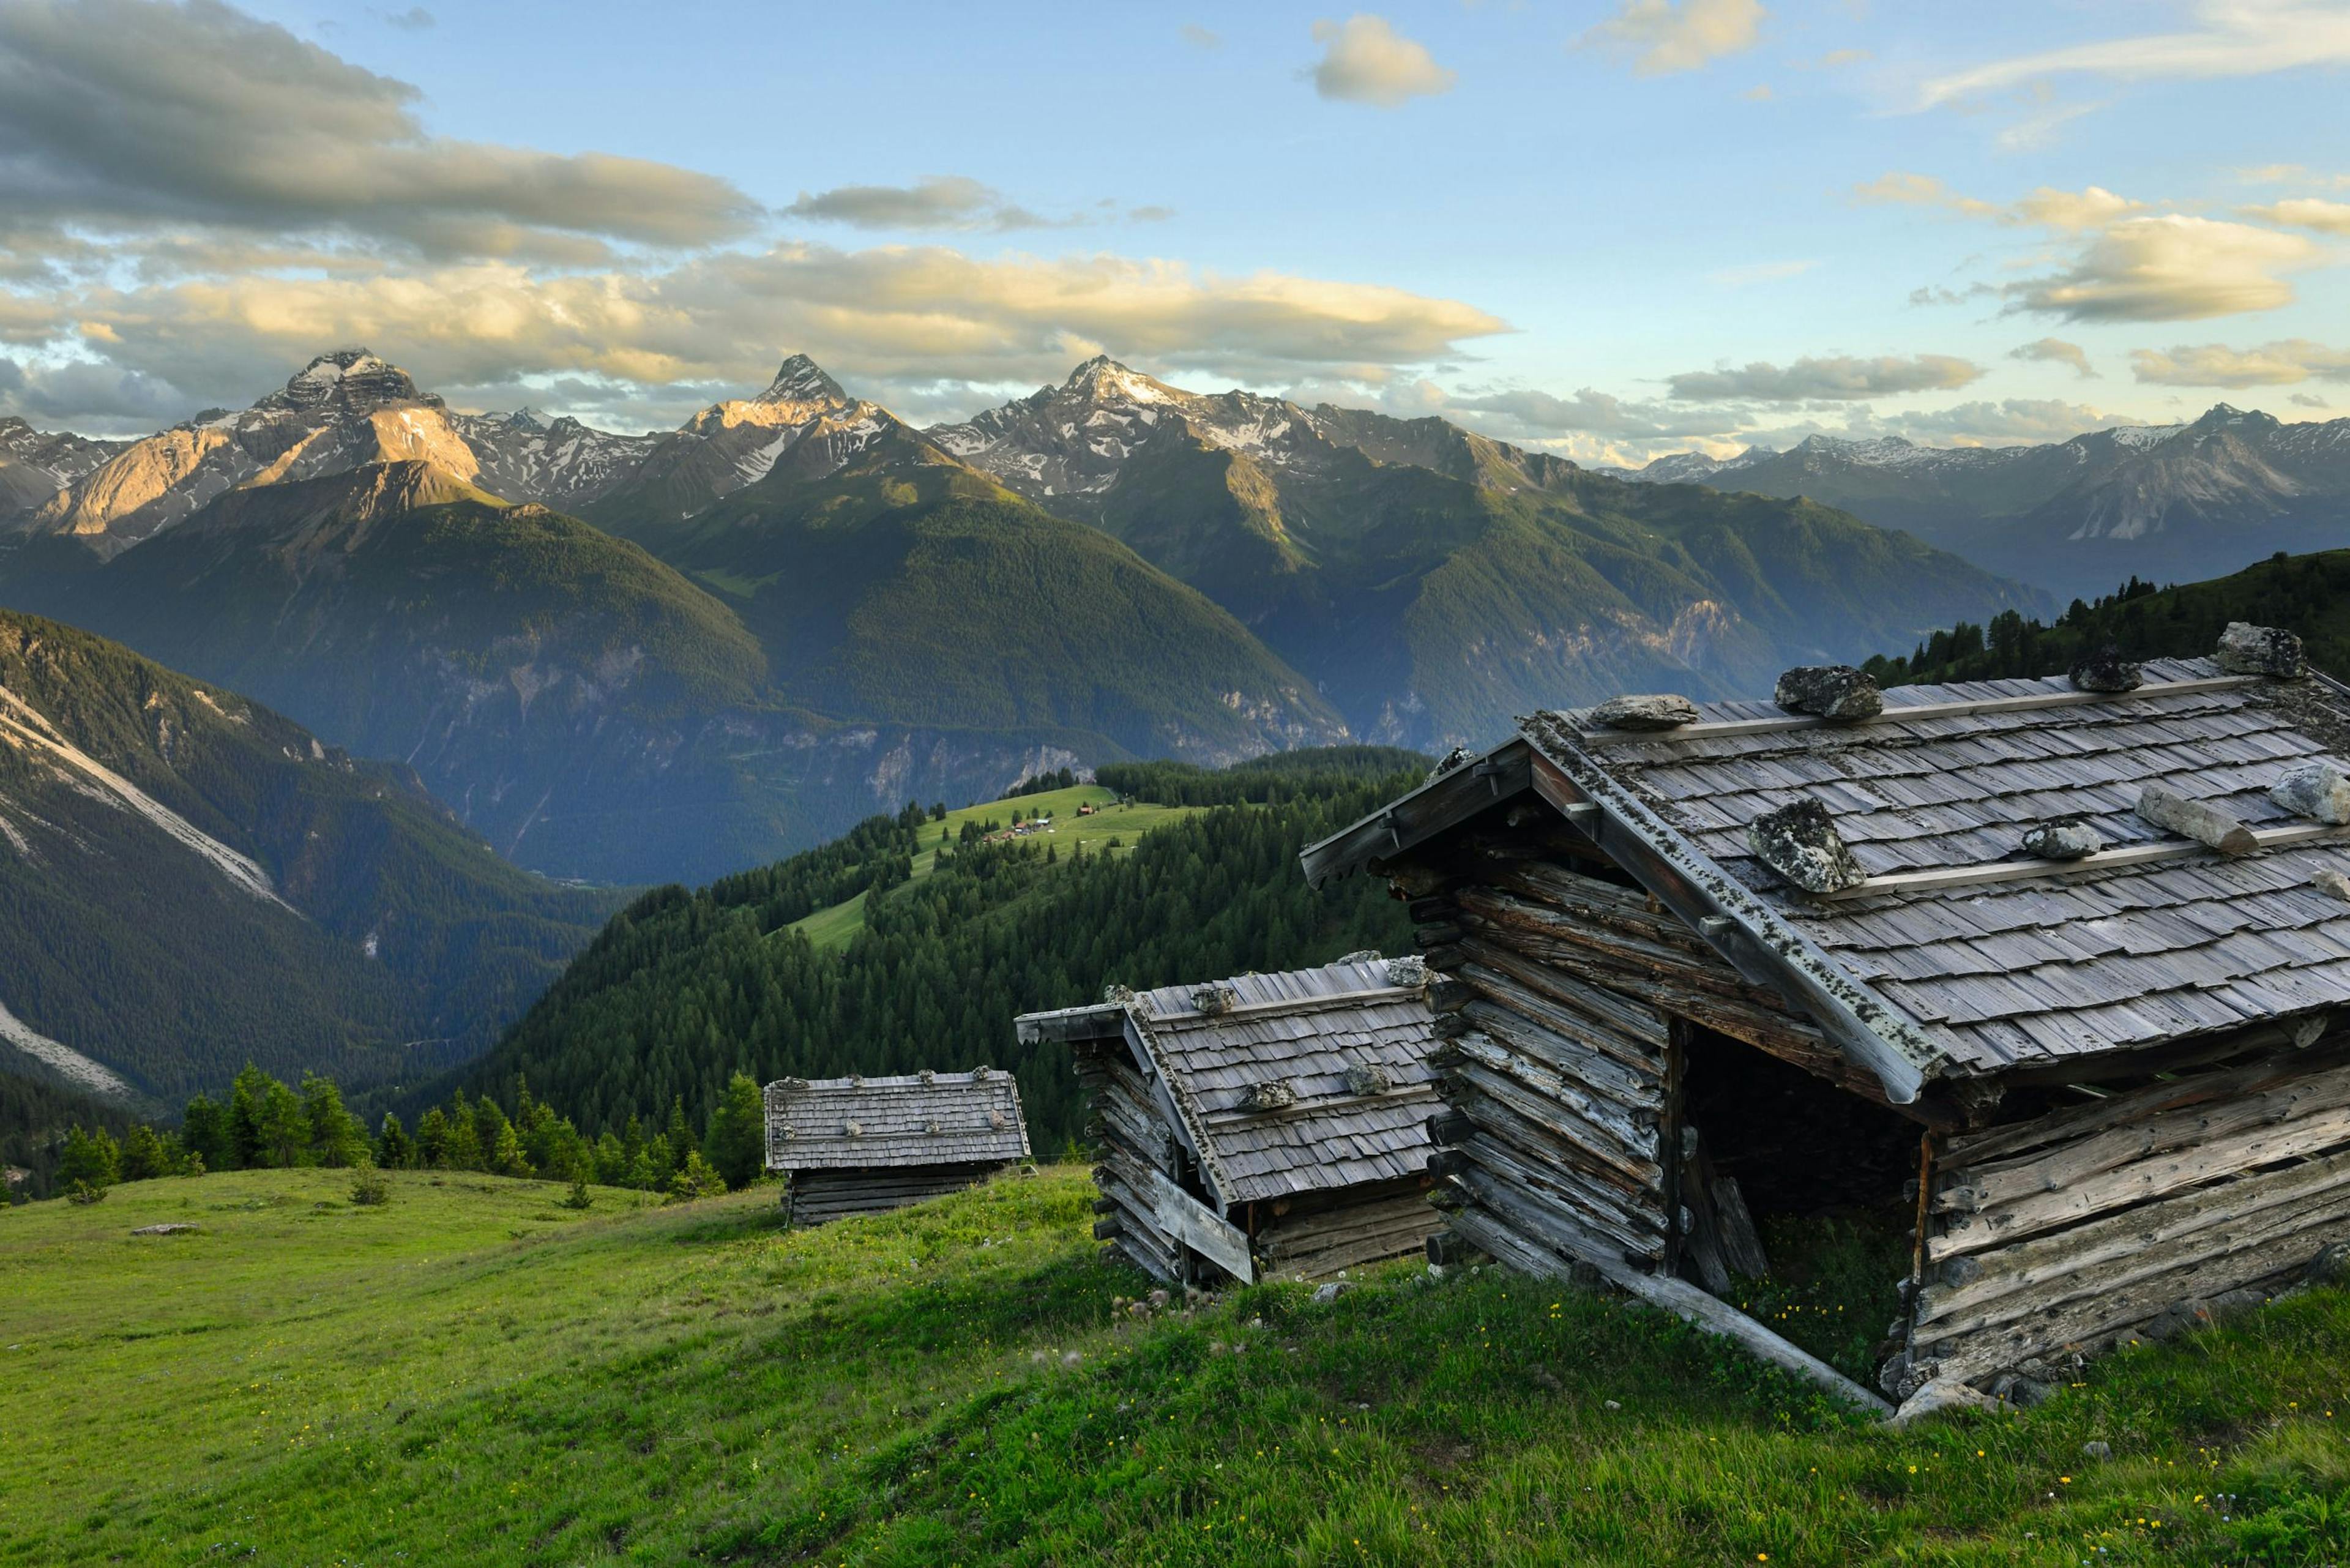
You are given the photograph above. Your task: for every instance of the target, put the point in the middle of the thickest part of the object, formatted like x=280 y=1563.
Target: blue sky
x=1611 y=229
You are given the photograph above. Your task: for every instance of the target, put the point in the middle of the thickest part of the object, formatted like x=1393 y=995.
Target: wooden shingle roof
x=1346 y=1045
x=923 y=1119
x=1959 y=954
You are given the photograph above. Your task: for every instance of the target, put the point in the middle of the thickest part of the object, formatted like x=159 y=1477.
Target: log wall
x=1555 y=1062
x=2055 y=1237
x=1319 y=1233
x=820 y=1197
x=1130 y=1134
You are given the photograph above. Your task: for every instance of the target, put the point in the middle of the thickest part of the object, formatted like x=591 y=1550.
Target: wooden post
x=1669 y=1121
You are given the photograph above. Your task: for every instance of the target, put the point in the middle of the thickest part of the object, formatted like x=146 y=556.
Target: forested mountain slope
x=2306 y=595
x=188 y=881
x=1435 y=583
x=682 y=989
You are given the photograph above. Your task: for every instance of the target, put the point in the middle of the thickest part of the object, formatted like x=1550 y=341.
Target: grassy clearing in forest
x=832 y=928
x=473 y=1375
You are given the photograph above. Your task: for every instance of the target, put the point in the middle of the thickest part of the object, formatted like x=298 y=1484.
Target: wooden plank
x=1623 y=1231
x=1540 y=1099
x=1705 y=1312
x=1911 y=713
x=1197 y=1227
x=2103 y=860
x=1984 y=1186
x=1967 y=1151
x=2089 y=1320
x=2127 y=1248
x=1593 y=1185
x=2138 y=1182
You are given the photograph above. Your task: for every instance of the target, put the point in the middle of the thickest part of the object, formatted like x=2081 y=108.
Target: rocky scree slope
x=188 y=881
x=1434 y=583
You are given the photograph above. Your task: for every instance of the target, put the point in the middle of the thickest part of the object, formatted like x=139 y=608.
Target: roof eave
x=1734 y=920
x=1443 y=802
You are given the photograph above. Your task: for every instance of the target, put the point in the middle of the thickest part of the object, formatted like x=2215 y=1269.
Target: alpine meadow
x=1576 y=791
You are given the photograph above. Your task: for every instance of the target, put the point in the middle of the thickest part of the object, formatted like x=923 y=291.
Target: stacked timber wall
x=2053 y=1238
x=820 y=1197
x=1138 y=1145
x=1317 y=1233
x=1563 y=1053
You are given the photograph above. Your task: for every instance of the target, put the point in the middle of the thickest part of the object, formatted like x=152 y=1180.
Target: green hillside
x=682 y=989
x=473 y=1374
x=2307 y=595
x=906 y=586
x=397 y=943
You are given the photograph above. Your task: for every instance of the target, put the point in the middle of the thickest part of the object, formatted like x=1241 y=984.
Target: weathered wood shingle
x=920 y=1120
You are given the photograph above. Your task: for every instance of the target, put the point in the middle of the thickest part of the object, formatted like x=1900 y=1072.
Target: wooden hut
x=865 y=1146
x=1265 y=1125
x=2049 y=967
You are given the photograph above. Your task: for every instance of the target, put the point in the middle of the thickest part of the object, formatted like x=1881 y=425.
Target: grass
x=471 y=1374
x=832 y=928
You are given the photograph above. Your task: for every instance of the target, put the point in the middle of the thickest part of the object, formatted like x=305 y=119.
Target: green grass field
x=833 y=927
x=473 y=1375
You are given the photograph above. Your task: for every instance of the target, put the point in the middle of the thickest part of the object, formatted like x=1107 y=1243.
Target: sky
x=1612 y=229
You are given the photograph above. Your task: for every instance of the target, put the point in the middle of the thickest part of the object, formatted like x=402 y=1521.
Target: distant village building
x=2052 y=970
x=1268 y=1125
x=864 y=1145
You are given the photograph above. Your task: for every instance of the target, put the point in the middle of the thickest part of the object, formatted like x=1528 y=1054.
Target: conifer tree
x=247 y=1147
x=736 y=1143
x=394 y=1150
x=337 y=1138
x=432 y=1139
x=203 y=1132
x=90 y=1159
x=145 y=1155
x=284 y=1126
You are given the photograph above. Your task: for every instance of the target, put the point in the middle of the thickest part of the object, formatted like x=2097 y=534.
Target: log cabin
x=865 y=1146
x=2049 y=969
x=1265 y=1125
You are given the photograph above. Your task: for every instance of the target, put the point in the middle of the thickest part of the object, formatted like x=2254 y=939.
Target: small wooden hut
x=865 y=1146
x=2052 y=969
x=1268 y=1124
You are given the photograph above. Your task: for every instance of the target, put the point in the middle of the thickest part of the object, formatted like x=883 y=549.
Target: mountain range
x=189 y=881
x=641 y=657
x=2162 y=502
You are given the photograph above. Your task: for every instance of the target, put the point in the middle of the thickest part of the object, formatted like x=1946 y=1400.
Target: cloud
x=1896 y=189
x=1834 y=380
x=84 y=395
x=1200 y=38
x=1666 y=36
x=893 y=318
x=2309 y=400
x=1837 y=58
x=2231 y=39
x=2306 y=212
x=130 y=115
x=1939 y=294
x=2171 y=268
x=1535 y=414
x=2039 y=128
x=2293 y=175
x=1364 y=60
x=2072 y=211
x=2277 y=364
x=1149 y=214
x=934 y=202
x=2055 y=350
x=1759 y=93
x=415 y=20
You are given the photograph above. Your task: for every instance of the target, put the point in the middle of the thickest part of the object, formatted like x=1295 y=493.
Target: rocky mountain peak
x=346 y=381
x=801 y=380
x=1102 y=380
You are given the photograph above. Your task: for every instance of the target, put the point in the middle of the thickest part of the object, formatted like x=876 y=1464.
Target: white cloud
x=2055 y=350
x=1365 y=60
x=2306 y=212
x=1897 y=189
x=1667 y=36
x=132 y=115
x=1834 y=378
x=2172 y=267
x=2278 y=364
x=1201 y=37
x=1522 y=413
x=2231 y=39
x=2072 y=211
x=891 y=318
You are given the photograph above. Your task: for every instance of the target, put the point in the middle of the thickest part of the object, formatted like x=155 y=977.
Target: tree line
x=264 y=1123
x=2307 y=595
